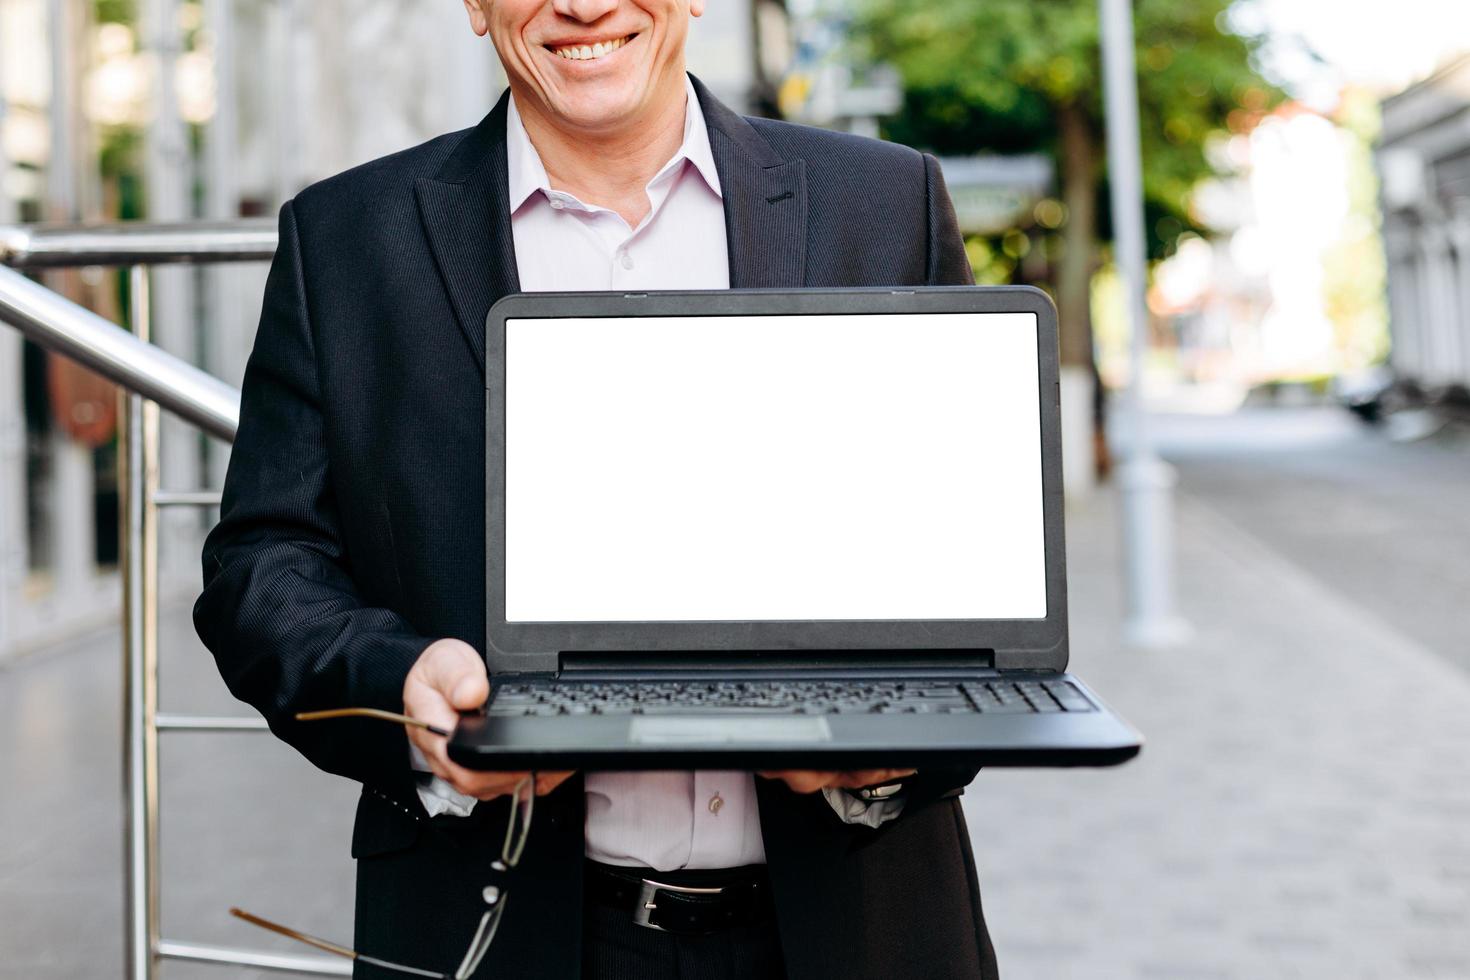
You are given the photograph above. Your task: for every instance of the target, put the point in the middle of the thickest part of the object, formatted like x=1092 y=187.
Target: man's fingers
x=548 y=781
x=802 y=780
x=871 y=777
x=448 y=677
x=482 y=785
x=471 y=691
x=811 y=780
x=432 y=746
x=489 y=785
x=455 y=670
x=425 y=702
x=466 y=781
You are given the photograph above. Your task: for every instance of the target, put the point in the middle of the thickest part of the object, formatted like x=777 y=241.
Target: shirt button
x=715 y=803
x=625 y=259
x=558 y=203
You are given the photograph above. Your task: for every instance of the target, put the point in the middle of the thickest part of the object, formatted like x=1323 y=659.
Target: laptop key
x=783 y=697
x=1069 y=697
x=1007 y=708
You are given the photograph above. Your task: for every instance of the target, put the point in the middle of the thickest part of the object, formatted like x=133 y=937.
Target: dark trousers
x=899 y=906
x=614 y=948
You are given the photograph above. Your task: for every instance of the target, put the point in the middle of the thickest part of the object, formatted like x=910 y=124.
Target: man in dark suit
x=348 y=565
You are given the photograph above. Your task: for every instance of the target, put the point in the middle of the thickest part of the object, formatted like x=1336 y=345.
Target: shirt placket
x=712 y=835
x=622 y=240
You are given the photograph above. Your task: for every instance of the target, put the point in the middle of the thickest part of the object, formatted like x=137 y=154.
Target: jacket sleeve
x=280 y=611
x=949 y=264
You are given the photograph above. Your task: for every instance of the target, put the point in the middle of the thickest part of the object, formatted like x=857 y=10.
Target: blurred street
x=1385 y=525
x=1298 y=811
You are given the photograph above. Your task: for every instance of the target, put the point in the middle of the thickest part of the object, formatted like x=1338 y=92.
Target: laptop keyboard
x=822 y=697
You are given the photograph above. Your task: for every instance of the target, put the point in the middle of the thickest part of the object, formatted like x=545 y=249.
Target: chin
x=598 y=110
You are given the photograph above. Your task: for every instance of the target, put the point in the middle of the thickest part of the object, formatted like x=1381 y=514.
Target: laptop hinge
x=572 y=661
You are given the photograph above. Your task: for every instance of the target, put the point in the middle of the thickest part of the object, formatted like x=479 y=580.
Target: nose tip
x=586 y=11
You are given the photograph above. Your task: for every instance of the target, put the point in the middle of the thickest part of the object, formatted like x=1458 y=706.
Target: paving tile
x=1288 y=838
x=1180 y=970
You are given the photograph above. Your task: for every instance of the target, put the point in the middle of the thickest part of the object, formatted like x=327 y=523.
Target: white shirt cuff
x=435 y=794
x=850 y=809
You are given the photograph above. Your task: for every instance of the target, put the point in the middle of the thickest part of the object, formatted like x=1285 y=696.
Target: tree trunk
x=1079 y=163
x=1084 y=442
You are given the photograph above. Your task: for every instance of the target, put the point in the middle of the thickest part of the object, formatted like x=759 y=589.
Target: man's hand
x=449 y=677
x=811 y=780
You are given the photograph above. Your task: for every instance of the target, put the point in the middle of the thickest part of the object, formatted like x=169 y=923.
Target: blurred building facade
x=1260 y=301
x=226 y=108
x=1424 y=164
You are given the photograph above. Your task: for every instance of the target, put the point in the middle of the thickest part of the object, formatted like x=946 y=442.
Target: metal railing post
x=204 y=401
x=139 y=464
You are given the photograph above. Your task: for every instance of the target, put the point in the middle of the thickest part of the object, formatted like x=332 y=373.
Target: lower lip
x=590 y=63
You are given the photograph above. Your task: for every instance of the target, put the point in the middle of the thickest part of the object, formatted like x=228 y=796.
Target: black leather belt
x=691 y=903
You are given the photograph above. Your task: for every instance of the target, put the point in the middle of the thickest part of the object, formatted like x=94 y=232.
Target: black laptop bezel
x=1037 y=644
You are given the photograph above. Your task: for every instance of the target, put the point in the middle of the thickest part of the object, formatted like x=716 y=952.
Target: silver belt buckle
x=646 y=904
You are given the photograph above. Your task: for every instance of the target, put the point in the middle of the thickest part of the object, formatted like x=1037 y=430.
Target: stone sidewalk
x=1301 y=809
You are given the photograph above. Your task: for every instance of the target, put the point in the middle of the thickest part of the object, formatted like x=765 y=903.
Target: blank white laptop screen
x=832 y=467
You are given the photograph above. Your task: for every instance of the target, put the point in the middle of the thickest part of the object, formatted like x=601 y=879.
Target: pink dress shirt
x=660 y=820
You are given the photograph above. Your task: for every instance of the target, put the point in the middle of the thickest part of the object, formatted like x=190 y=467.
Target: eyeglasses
x=517 y=831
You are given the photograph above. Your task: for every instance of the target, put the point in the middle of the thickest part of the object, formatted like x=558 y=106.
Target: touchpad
x=716 y=731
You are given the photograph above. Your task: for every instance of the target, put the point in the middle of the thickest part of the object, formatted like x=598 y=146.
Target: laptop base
x=565 y=726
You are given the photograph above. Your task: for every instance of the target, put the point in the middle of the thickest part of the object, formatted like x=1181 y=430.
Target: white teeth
x=584 y=52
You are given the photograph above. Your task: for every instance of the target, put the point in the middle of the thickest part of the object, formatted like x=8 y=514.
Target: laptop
x=817 y=529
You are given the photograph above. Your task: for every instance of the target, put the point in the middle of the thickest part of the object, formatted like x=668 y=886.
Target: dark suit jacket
x=352 y=534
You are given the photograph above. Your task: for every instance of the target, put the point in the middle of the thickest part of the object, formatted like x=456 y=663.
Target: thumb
x=470 y=692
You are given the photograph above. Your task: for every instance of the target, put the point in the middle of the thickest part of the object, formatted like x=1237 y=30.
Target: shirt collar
x=526 y=174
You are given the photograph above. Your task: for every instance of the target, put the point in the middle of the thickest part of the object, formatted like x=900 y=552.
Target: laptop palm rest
x=721 y=731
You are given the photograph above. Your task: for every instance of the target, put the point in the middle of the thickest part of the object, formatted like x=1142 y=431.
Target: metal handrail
x=208 y=723
x=283 y=962
x=153 y=377
x=60 y=246
x=58 y=324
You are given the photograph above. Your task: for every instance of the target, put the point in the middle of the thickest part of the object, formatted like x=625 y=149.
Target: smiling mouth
x=589 y=52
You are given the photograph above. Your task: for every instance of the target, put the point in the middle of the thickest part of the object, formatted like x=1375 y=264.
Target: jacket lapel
x=466 y=216
x=765 y=201
x=465 y=212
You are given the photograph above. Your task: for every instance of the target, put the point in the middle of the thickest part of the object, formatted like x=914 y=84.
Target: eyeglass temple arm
x=369 y=713
x=290 y=933
x=510 y=852
x=521 y=813
x=510 y=855
x=331 y=947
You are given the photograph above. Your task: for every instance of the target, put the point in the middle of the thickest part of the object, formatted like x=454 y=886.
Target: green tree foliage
x=116 y=11
x=1009 y=76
